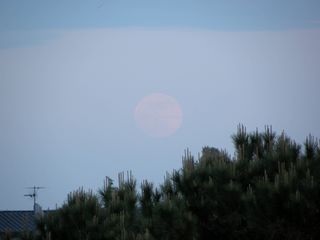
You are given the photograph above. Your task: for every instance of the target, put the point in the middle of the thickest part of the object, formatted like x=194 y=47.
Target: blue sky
x=217 y=15
x=72 y=72
x=20 y=20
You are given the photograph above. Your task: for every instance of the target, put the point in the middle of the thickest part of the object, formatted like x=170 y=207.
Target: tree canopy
x=269 y=190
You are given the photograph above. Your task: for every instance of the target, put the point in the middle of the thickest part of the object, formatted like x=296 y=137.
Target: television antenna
x=34 y=194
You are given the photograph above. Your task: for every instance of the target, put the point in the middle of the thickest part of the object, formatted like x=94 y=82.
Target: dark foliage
x=270 y=190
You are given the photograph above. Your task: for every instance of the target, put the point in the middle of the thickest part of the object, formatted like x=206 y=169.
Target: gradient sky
x=72 y=72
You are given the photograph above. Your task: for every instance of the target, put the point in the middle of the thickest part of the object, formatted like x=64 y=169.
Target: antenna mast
x=34 y=194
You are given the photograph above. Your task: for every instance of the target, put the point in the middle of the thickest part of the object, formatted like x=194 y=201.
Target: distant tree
x=269 y=191
x=79 y=218
x=120 y=205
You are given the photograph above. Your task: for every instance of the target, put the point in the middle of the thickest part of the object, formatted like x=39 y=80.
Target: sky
x=73 y=72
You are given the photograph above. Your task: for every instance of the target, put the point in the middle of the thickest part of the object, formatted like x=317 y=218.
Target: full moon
x=158 y=115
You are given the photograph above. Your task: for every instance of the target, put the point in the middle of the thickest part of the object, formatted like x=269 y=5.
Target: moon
x=158 y=115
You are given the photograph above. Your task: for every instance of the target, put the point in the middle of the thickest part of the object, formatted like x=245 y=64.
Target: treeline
x=269 y=190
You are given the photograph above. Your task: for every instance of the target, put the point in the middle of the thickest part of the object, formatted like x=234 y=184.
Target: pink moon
x=158 y=115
